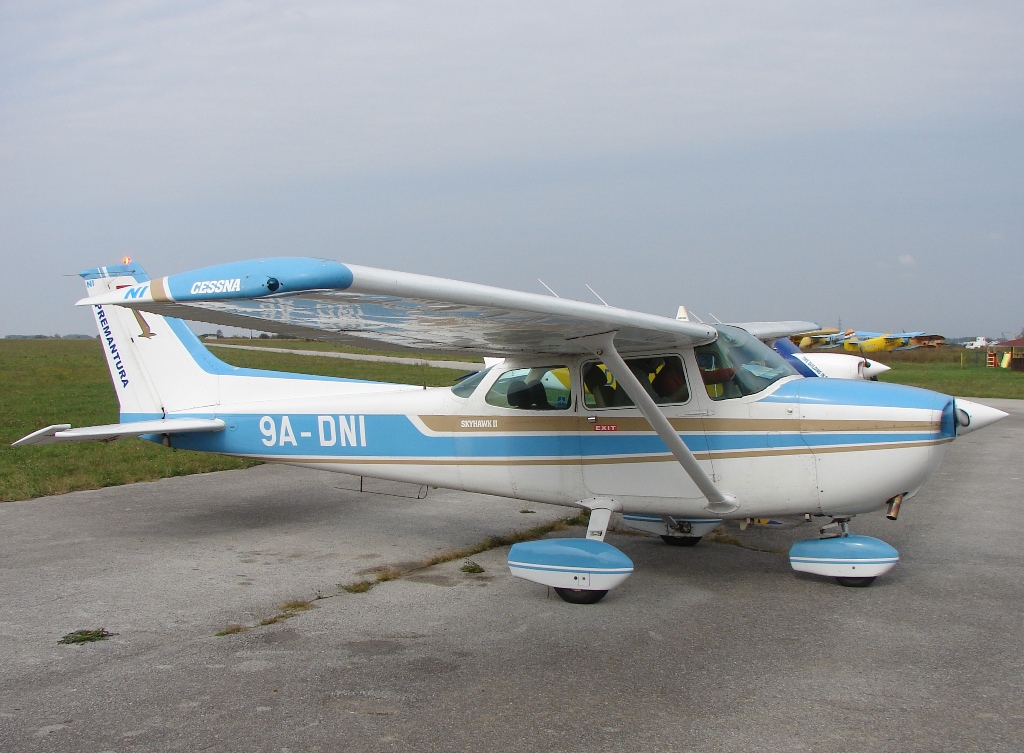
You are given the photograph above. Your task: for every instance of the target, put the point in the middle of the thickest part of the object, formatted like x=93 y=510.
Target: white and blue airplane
x=828 y=365
x=674 y=424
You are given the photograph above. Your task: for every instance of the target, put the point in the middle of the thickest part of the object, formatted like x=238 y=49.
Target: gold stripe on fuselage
x=548 y=424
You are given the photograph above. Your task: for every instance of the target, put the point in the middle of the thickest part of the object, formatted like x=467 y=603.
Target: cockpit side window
x=662 y=376
x=542 y=388
x=738 y=364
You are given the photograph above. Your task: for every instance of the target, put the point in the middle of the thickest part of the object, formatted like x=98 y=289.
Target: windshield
x=466 y=387
x=738 y=364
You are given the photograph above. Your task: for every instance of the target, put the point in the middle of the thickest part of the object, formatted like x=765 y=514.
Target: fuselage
x=819 y=446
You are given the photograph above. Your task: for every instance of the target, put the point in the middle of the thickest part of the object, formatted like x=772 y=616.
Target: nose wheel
x=854 y=561
x=680 y=540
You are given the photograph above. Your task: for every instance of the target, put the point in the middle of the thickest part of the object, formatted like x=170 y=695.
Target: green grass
x=66 y=381
x=48 y=382
x=339 y=367
x=952 y=371
x=952 y=380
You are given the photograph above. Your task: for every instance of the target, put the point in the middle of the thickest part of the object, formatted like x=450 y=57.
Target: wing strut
x=717 y=500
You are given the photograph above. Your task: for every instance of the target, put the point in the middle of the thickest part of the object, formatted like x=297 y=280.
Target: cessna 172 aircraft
x=675 y=424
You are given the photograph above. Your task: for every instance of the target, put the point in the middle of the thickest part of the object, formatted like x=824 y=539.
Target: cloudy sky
x=813 y=160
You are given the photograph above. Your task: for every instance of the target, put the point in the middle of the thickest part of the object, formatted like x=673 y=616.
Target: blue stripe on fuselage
x=398 y=436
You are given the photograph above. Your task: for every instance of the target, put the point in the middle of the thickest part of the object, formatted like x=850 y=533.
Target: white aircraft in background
x=829 y=365
x=677 y=425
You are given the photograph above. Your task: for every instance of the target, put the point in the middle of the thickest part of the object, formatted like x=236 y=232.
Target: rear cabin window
x=662 y=376
x=543 y=388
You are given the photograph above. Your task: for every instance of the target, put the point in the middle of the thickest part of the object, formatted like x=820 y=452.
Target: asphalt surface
x=716 y=648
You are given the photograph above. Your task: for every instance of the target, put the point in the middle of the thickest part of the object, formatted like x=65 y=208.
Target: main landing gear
x=854 y=561
x=582 y=571
x=580 y=595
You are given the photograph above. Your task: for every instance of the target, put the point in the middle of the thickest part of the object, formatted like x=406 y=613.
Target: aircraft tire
x=580 y=596
x=681 y=540
x=855 y=582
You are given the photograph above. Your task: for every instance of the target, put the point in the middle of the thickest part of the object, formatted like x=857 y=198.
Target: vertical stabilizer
x=154 y=361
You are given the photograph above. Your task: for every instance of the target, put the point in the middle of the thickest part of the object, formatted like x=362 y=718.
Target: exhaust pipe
x=893 y=511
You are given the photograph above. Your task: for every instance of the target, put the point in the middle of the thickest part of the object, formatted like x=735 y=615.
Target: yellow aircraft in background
x=873 y=342
x=856 y=341
x=827 y=337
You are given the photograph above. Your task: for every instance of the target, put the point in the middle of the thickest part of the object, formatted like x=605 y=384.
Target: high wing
x=769 y=331
x=374 y=308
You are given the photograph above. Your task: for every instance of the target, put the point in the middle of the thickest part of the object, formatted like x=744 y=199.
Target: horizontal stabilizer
x=110 y=432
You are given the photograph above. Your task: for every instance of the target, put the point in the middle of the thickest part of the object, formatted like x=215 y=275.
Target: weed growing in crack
x=388 y=573
x=296 y=606
x=231 y=629
x=493 y=542
x=85 y=636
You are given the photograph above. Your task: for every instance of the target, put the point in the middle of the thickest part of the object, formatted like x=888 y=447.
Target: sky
x=825 y=161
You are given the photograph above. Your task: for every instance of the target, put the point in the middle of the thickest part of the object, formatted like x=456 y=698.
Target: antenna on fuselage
x=602 y=300
x=683 y=315
x=714 y=317
x=556 y=295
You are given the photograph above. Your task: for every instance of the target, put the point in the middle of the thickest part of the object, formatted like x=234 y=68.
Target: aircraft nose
x=972 y=416
x=870 y=369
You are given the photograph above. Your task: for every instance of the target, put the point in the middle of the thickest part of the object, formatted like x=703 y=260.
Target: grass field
x=66 y=381
x=953 y=371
